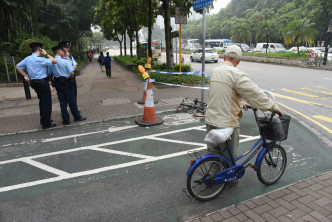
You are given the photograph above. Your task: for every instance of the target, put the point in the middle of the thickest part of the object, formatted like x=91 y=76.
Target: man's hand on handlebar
x=279 y=112
x=246 y=106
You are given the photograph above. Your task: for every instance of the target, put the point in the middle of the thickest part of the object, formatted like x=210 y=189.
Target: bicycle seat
x=218 y=136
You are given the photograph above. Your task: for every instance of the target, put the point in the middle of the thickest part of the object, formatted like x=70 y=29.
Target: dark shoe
x=49 y=126
x=51 y=121
x=80 y=119
x=66 y=123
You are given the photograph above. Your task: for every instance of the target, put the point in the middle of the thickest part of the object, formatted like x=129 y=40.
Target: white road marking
x=46 y=167
x=111 y=129
x=145 y=159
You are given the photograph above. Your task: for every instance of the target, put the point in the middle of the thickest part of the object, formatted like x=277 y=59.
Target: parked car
x=272 y=47
x=210 y=55
x=301 y=48
x=243 y=46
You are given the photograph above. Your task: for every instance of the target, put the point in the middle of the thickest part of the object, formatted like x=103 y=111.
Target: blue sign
x=199 y=4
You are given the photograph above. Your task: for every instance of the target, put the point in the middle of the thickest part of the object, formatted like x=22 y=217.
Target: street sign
x=180 y=18
x=312 y=54
x=174 y=34
x=199 y=4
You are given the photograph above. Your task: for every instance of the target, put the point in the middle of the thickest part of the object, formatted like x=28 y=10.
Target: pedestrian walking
x=101 y=60
x=63 y=72
x=90 y=55
x=37 y=76
x=107 y=62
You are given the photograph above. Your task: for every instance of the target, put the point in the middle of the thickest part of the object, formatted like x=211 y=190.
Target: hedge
x=133 y=64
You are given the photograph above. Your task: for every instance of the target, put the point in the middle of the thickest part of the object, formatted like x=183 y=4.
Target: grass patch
x=302 y=55
x=132 y=64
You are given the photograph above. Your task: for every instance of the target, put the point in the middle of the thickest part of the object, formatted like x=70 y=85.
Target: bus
x=218 y=44
x=156 y=50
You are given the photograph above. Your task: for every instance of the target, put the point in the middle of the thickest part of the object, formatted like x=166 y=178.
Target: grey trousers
x=233 y=142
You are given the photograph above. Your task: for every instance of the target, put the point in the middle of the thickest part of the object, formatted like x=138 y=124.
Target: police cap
x=65 y=44
x=36 y=44
x=56 y=48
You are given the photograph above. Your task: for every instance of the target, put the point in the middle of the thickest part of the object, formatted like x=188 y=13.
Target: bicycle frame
x=237 y=170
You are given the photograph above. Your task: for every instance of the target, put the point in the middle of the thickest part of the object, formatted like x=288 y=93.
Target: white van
x=272 y=47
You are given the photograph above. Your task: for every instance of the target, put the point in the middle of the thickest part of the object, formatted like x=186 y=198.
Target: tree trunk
x=150 y=28
x=125 y=43
x=136 y=31
x=120 y=41
x=168 y=39
x=131 y=45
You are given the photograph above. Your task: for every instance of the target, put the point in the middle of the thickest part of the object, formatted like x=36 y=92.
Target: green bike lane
x=117 y=171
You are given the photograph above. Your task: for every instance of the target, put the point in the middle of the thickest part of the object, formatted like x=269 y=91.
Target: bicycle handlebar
x=275 y=111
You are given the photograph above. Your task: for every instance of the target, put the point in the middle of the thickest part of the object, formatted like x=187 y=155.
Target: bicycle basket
x=274 y=130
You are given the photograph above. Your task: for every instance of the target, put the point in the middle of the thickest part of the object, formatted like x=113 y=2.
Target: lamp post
x=329 y=31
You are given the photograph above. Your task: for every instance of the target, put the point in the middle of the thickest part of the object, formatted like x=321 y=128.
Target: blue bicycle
x=208 y=174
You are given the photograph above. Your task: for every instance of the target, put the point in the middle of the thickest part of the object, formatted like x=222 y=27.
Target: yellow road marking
x=306 y=94
x=319 y=91
x=307 y=117
x=324 y=118
x=301 y=100
x=300 y=93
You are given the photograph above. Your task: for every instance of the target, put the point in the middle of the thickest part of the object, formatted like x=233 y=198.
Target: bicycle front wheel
x=196 y=185
x=272 y=165
x=199 y=112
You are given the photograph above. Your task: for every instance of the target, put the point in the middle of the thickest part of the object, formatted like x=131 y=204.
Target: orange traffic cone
x=149 y=117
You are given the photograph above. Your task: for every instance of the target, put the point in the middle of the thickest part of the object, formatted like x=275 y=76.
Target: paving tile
x=242 y=207
x=276 y=194
x=323 y=201
x=216 y=217
x=279 y=211
x=319 y=216
x=319 y=209
x=295 y=214
x=231 y=219
x=233 y=210
x=268 y=217
x=250 y=204
x=225 y=213
x=309 y=218
x=285 y=204
x=241 y=217
x=307 y=199
x=253 y=216
x=290 y=197
x=301 y=206
x=262 y=209
x=206 y=219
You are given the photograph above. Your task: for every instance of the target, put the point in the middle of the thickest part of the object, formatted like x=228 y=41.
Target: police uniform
x=66 y=44
x=66 y=95
x=36 y=66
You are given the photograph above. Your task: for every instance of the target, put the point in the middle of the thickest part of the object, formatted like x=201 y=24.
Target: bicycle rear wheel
x=199 y=112
x=272 y=165
x=197 y=188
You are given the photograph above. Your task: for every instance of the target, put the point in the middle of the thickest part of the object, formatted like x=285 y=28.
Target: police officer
x=36 y=66
x=63 y=72
x=66 y=45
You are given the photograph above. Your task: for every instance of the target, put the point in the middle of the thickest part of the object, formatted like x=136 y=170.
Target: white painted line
x=64 y=175
x=174 y=141
x=45 y=167
x=249 y=139
x=111 y=129
x=121 y=153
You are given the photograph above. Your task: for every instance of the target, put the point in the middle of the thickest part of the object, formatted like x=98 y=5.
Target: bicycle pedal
x=252 y=166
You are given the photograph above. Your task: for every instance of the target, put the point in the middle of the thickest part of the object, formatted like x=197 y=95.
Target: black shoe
x=80 y=119
x=51 y=121
x=66 y=123
x=49 y=126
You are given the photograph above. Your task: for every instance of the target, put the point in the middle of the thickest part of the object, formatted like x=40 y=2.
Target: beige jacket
x=229 y=86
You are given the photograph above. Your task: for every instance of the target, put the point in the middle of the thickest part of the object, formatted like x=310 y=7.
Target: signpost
x=180 y=18
x=10 y=59
x=329 y=32
x=201 y=4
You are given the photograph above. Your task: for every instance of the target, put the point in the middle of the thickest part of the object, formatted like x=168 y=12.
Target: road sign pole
x=327 y=42
x=203 y=55
x=180 y=49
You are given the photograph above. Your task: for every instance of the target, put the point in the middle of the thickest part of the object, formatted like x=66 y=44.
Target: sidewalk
x=101 y=98
x=304 y=201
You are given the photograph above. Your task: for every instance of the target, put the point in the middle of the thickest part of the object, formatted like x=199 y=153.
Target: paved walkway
x=101 y=98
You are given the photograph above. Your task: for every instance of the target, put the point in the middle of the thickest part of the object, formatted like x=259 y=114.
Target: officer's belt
x=38 y=80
